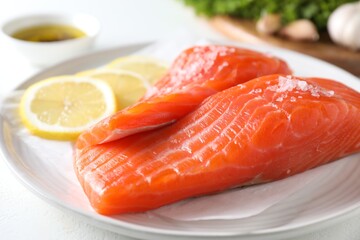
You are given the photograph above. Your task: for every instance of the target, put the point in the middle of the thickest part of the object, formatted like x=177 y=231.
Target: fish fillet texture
x=197 y=73
x=263 y=130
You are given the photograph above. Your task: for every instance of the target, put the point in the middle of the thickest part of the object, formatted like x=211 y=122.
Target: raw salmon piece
x=260 y=131
x=197 y=73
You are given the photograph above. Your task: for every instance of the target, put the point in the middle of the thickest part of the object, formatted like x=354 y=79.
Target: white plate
x=329 y=199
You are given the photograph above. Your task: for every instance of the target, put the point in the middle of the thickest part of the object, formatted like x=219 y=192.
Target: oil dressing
x=48 y=33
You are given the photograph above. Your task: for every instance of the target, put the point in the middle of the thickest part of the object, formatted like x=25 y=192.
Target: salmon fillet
x=263 y=130
x=197 y=73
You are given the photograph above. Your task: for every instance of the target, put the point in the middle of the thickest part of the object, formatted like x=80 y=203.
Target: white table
x=25 y=216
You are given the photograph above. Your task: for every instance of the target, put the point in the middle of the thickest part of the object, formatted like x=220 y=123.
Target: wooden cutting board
x=244 y=31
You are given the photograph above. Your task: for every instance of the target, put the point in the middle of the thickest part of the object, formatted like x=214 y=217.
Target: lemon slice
x=149 y=68
x=128 y=87
x=62 y=107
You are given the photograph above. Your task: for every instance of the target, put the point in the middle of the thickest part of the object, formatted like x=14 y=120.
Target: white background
x=22 y=214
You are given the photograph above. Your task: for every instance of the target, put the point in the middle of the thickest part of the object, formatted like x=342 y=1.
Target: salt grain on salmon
x=288 y=83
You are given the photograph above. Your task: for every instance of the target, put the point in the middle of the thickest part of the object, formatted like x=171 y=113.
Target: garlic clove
x=300 y=30
x=269 y=23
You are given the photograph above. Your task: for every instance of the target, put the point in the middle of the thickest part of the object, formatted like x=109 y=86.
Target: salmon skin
x=197 y=73
x=263 y=130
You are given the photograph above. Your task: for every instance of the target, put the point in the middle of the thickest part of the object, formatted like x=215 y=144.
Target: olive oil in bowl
x=48 y=33
x=49 y=38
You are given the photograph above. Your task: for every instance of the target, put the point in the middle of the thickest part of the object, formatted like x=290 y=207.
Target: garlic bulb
x=344 y=25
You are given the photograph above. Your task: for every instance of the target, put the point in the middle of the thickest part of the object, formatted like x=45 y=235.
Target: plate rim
x=112 y=223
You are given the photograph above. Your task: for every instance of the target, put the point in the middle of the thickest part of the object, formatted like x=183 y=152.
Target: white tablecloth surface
x=25 y=216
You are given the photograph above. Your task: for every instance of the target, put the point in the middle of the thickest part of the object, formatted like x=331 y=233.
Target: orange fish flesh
x=263 y=130
x=197 y=73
